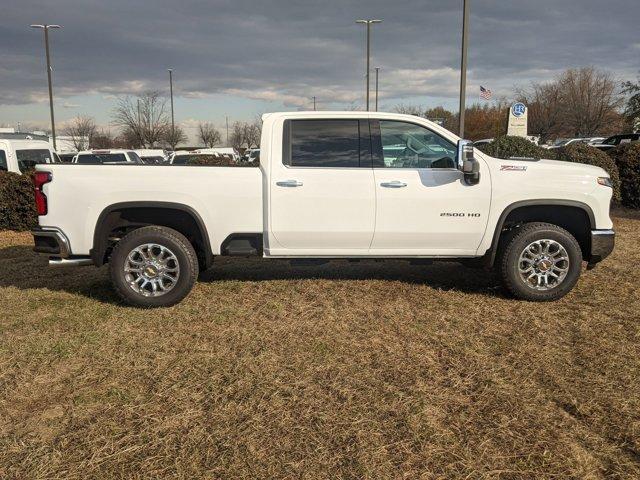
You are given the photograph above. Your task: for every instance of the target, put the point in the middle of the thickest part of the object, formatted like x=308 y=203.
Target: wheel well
x=117 y=221
x=576 y=220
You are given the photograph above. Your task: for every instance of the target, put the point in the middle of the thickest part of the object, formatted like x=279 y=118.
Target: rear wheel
x=540 y=262
x=153 y=267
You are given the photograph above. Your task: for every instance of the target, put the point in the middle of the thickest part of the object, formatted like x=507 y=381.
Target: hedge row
x=508 y=146
x=17 y=205
x=627 y=159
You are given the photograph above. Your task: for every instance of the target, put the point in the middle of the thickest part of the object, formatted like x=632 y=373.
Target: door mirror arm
x=467 y=163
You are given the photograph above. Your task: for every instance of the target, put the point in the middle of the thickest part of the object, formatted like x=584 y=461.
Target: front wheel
x=153 y=267
x=540 y=262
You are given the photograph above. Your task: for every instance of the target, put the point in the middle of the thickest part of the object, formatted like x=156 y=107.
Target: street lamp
x=377 y=72
x=368 y=23
x=463 y=66
x=171 y=94
x=46 y=47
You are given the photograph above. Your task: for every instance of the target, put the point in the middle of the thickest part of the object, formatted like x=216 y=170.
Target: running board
x=69 y=262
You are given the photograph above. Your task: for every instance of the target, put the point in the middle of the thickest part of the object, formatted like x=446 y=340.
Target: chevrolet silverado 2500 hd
x=330 y=185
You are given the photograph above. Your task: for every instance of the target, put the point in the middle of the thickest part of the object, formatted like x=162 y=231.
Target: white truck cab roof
x=19 y=155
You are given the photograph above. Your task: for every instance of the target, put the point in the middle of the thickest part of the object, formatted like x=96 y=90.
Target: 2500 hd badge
x=459 y=214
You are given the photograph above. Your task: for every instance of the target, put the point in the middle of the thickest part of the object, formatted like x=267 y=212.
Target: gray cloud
x=290 y=50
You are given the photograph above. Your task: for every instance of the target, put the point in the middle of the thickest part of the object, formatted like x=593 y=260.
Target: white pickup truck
x=330 y=185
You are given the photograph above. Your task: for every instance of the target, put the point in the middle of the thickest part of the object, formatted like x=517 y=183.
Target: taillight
x=39 y=179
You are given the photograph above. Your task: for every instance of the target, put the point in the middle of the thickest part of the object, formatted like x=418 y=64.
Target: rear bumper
x=51 y=241
x=602 y=243
x=54 y=242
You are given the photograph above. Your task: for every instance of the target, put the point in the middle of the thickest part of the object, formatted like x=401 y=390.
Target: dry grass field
x=363 y=371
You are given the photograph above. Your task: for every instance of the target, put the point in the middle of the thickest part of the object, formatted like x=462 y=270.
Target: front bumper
x=602 y=243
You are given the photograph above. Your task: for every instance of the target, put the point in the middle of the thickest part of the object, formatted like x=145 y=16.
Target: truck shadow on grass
x=22 y=268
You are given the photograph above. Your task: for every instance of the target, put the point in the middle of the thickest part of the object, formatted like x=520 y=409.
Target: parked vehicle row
x=331 y=185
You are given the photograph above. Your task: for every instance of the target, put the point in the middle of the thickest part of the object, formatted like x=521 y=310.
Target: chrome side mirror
x=467 y=163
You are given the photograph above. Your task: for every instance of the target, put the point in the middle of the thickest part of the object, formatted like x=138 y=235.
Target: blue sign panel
x=518 y=109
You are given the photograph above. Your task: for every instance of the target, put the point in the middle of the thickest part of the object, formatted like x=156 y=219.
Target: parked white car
x=152 y=156
x=19 y=155
x=220 y=151
x=100 y=157
x=329 y=187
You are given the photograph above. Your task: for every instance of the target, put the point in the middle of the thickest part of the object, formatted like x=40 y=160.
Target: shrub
x=17 y=205
x=583 y=153
x=627 y=158
x=508 y=146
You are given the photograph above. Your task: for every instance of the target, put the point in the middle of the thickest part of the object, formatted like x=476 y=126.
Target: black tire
x=166 y=237
x=515 y=243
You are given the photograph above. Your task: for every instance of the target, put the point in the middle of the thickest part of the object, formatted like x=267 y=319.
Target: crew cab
x=330 y=185
x=101 y=157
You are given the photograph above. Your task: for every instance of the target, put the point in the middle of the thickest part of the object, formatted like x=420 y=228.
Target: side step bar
x=69 y=262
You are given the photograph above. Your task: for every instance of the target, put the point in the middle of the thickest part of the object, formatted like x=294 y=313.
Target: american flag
x=485 y=93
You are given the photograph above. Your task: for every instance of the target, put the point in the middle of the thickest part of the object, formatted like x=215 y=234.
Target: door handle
x=394 y=184
x=289 y=183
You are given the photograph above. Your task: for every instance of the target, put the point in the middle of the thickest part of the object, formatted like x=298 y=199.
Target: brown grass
x=373 y=370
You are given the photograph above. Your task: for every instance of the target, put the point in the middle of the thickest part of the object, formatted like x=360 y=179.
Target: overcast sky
x=241 y=58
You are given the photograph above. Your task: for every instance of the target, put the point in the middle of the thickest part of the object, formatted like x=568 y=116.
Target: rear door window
x=326 y=143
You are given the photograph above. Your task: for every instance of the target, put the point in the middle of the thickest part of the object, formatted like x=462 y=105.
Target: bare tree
x=579 y=102
x=173 y=137
x=102 y=139
x=143 y=119
x=245 y=135
x=632 y=107
x=81 y=129
x=546 y=105
x=208 y=134
x=591 y=100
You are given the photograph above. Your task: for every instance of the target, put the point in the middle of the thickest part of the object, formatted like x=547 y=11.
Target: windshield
x=28 y=159
x=99 y=158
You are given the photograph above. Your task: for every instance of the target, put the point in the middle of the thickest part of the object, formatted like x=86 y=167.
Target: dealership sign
x=517 y=120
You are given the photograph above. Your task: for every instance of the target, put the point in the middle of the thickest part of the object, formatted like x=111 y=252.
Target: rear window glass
x=325 y=143
x=28 y=159
x=96 y=159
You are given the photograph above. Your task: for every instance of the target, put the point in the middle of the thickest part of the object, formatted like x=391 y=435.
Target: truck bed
x=228 y=197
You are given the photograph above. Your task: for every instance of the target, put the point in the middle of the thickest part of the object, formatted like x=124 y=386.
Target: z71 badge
x=513 y=168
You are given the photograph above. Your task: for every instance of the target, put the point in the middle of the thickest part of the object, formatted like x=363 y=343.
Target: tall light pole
x=463 y=65
x=226 y=119
x=377 y=72
x=46 y=28
x=314 y=103
x=368 y=23
x=173 y=127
